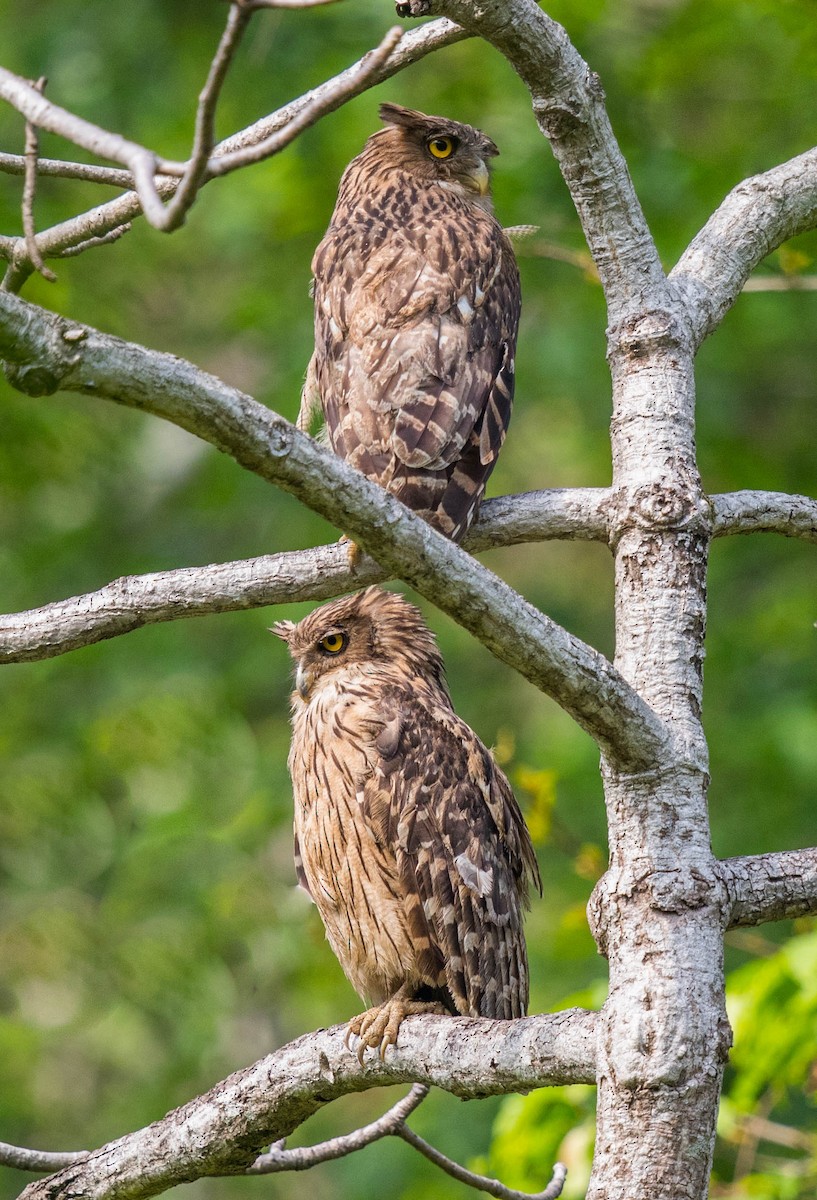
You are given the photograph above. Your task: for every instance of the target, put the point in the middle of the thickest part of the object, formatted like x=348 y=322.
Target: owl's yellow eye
x=333 y=643
x=440 y=147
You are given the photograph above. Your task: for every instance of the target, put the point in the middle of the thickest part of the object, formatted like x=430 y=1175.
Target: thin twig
x=97 y=222
x=29 y=194
x=278 y=1158
x=105 y=240
x=23 y=1159
x=393 y=1124
x=482 y=1182
x=15 y=164
x=370 y=66
x=781 y=283
x=286 y=3
x=195 y=171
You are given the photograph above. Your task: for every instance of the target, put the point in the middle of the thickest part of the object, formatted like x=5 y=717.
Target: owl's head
x=437 y=150
x=373 y=632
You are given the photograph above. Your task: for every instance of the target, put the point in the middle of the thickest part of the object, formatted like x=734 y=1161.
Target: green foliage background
x=151 y=939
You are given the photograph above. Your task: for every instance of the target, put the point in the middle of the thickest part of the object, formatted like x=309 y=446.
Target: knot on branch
x=679 y=506
x=35 y=380
x=413 y=8
x=670 y=506
x=279 y=442
x=670 y=890
x=643 y=335
x=559 y=118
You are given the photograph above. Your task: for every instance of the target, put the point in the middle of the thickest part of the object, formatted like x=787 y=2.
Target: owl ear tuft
x=283 y=630
x=395 y=114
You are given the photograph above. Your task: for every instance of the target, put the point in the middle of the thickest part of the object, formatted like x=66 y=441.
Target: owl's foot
x=377 y=1028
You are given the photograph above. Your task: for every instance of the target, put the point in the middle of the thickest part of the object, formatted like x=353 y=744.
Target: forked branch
x=223 y=1132
x=59 y=354
x=262 y=139
x=317 y=574
x=393 y=1124
x=755 y=218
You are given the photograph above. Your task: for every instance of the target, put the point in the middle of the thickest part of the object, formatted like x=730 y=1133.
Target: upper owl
x=416 y=313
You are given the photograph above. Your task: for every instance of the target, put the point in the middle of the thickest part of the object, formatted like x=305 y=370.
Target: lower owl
x=407 y=834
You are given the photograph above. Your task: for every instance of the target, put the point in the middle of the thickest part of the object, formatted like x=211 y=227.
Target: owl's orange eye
x=440 y=147
x=333 y=643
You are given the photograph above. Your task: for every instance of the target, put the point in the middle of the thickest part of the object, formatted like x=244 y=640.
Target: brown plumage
x=407 y=834
x=416 y=312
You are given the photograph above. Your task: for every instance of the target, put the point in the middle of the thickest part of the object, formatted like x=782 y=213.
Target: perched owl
x=407 y=834
x=416 y=311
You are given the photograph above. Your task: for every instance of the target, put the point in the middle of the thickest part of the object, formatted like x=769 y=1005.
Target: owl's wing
x=419 y=323
x=439 y=800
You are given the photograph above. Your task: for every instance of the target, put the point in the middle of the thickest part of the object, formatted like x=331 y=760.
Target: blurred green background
x=151 y=939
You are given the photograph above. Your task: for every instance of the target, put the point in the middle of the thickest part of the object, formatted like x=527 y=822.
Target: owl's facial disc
x=303 y=681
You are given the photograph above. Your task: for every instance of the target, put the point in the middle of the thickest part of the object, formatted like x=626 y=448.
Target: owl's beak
x=303 y=681
x=480 y=178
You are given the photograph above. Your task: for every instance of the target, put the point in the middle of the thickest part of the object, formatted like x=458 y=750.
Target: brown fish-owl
x=416 y=312
x=407 y=834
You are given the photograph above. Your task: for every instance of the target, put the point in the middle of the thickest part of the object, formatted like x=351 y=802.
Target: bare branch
x=765 y=512
x=770 y=887
x=483 y=1184
x=15 y=164
x=781 y=283
x=280 y=1159
x=29 y=192
x=568 y=101
x=286 y=3
x=104 y=240
x=755 y=218
x=60 y=354
x=222 y=1132
x=23 y=1159
x=318 y=574
x=172 y=216
x=95 y=224
x=370 y=67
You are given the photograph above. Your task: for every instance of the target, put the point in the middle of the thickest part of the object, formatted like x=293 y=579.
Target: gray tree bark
x=658 y=1047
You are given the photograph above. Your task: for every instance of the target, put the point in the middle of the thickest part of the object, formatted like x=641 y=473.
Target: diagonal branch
x=98 y=222
x=770 y=887
x=492 y=1186
x=568 y=101
x=55 y=353
x=145 y=165
x=317 y=574
x=223 y=1131
x=393 y=1124
x=279 y=1158
x=755 y=218
x=765 y=512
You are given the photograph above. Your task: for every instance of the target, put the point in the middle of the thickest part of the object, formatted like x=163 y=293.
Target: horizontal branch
x=54 y=353
x=765 y=512
x=317 y=574
x=23 y=1159
x=771 y=887
x=15 y=164
x=223 y=1131
x=755 y=218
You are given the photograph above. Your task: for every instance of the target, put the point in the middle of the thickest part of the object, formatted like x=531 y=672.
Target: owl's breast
x=352 y=876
